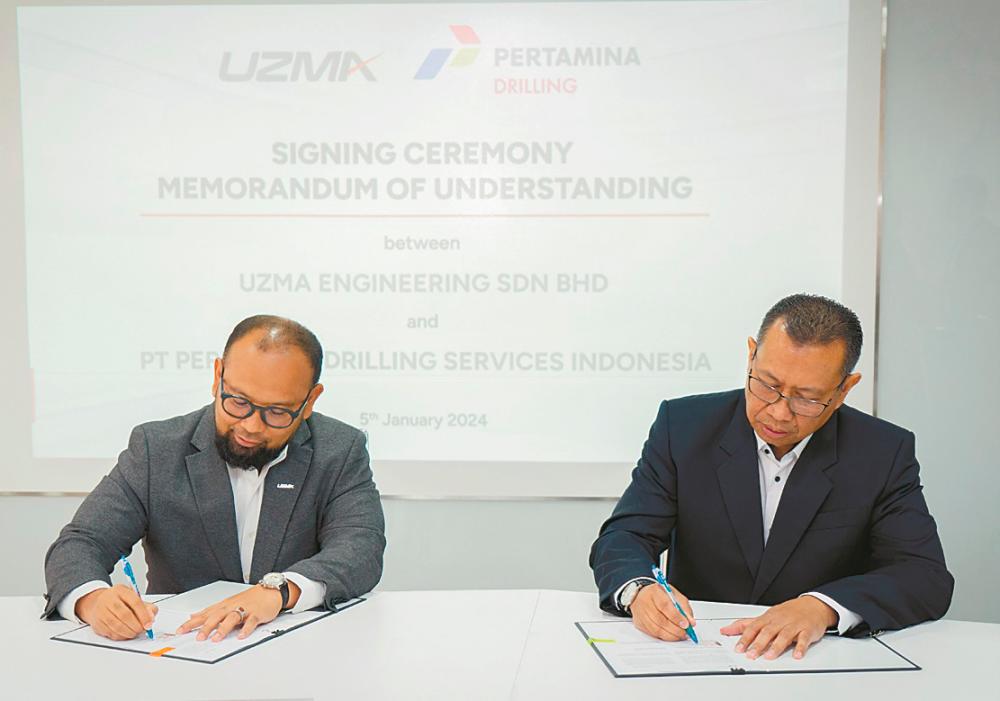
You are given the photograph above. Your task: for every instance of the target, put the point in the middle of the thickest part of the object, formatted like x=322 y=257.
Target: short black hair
x=281 y=333
x=816 y=320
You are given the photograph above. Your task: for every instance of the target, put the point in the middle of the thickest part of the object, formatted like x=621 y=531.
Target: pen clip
x=661 y=580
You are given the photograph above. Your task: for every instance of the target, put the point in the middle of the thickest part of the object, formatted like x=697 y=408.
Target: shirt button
x=777 y=478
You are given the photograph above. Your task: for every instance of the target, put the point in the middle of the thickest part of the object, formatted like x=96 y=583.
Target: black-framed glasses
x=242 y=408
x=800 y=406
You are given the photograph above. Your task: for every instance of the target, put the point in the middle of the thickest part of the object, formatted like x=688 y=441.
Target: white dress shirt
x=248 y=495
x=773 y=475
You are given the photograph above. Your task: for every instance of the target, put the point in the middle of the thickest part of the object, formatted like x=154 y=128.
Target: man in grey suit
x=253 y=488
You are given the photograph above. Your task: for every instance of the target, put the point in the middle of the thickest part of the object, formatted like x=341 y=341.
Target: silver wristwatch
x=629 y=593
x=276 y=580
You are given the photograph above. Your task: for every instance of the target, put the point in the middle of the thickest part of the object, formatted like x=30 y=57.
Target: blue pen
x=131 y=577
x=658 y=573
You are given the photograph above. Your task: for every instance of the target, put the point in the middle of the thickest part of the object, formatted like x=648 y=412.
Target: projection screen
x=515 y=227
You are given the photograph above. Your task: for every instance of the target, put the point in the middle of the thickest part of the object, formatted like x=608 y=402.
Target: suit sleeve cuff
x=847 y=619
x=67 y=607
x=311 y=593
x=617 y=599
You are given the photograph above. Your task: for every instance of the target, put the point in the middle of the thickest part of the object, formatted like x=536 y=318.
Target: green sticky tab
x=591 y=641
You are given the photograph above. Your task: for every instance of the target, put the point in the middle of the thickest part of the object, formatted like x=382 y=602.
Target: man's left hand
x=259 y=605
x=799 y=622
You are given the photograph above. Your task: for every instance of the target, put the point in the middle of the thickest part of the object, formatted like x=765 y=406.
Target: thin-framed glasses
x=242 y=408
x=799 y=406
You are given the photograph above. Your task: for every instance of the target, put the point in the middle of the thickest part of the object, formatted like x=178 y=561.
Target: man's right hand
x=655 y=614
x=117 y=613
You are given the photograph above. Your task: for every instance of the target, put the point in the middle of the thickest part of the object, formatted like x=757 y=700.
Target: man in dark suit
x=777 y=494
x=253 y=488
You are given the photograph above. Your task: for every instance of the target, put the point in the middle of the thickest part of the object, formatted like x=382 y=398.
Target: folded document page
x=628 y=652
x=175 y=610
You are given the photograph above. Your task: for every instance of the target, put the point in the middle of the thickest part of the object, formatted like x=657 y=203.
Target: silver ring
x=241 y=612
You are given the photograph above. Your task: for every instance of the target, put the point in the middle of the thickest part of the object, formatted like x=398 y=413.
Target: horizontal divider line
x=292 y=215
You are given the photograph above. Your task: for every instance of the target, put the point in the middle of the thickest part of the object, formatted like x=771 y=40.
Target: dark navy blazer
x=852 y=522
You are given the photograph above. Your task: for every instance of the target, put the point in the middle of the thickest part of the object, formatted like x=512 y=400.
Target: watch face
x=273 y=580
x=628 y=596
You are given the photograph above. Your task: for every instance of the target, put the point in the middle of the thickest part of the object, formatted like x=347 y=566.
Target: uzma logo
x=464 y=56
x=294 y=66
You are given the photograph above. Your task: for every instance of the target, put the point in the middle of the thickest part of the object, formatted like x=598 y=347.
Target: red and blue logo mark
x=464 y=56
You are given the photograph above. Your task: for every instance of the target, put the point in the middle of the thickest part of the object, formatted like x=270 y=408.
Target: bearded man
x=254 y=488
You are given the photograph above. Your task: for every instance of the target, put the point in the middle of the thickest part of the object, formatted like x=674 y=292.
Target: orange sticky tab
x=161 y=652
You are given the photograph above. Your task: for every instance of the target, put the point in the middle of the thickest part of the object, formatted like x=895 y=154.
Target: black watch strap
x=284 y=595
x=640 y=583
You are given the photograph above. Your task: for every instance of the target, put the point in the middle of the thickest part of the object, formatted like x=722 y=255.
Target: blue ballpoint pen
x=658 y=573
x=131 y=577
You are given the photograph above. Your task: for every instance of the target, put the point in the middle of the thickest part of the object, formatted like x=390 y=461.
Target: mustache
x=236 y=455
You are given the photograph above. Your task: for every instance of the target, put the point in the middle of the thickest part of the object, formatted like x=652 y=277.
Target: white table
x=958 y=659
x=460 y=645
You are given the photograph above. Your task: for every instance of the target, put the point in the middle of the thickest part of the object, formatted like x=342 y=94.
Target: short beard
x=235 y=455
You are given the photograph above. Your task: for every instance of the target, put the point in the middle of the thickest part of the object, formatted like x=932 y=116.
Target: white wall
x=940 y=290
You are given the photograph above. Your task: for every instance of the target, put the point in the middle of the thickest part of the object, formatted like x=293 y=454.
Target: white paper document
x=628 y=652
x=175 y=610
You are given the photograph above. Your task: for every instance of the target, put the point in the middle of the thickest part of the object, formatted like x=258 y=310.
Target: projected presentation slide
x=515 y=228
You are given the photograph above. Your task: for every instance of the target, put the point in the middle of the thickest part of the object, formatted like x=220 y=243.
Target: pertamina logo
x=522 y=71
x=464 y=56
x=294 y=66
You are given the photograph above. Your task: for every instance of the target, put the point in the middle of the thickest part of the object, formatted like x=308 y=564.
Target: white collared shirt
x=248 y=495
x=774 y=475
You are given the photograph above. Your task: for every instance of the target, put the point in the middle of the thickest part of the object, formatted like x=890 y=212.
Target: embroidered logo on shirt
x=285 y=485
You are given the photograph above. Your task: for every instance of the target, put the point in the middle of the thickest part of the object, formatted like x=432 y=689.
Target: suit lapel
x=278 y=503
x=213 y=495
x=740 y=486
x=807 y=488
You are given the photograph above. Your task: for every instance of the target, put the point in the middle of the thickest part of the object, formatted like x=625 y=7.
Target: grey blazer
x=171 y=489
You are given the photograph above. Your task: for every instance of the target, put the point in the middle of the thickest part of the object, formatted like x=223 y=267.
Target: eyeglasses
x=799 y=406
x=242 y=408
